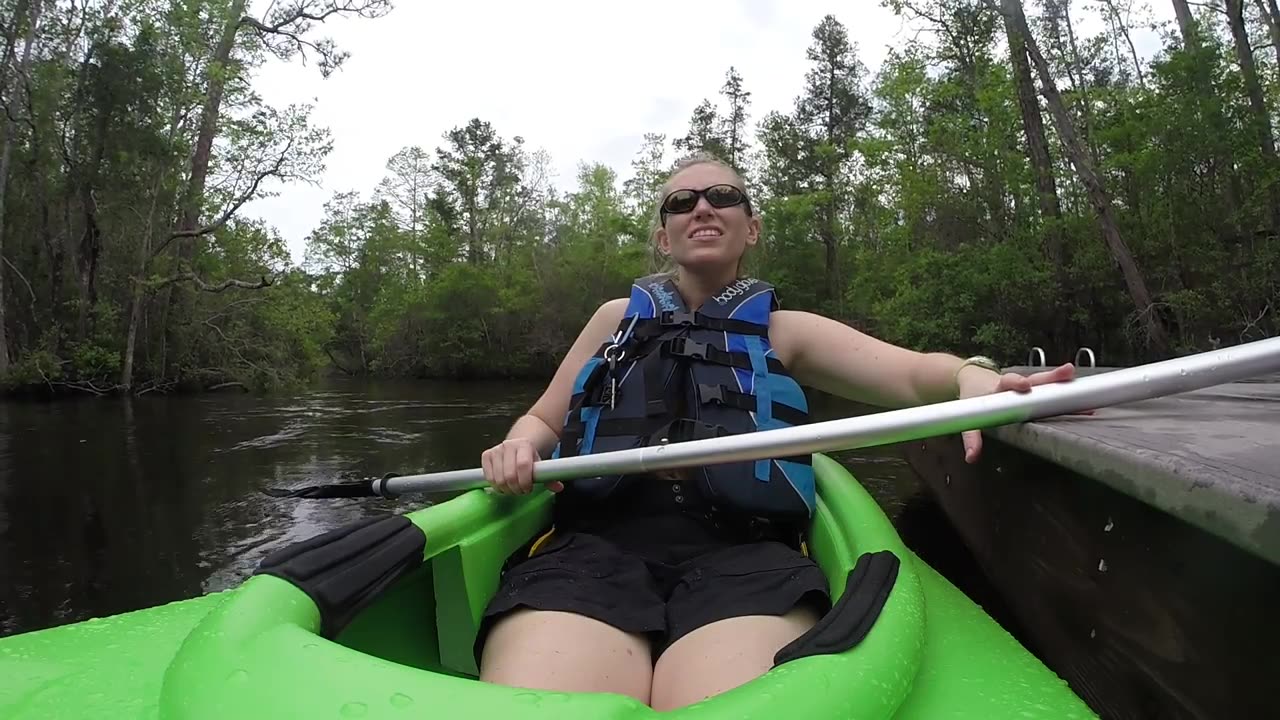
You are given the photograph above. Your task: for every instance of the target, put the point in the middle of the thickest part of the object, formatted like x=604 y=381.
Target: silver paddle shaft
x=1167 y=377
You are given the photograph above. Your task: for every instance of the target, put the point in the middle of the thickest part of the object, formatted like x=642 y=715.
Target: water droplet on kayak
x=1183 y=372
x=238 y=676
x=527 y=698
x=311 y=646
x=400 y=700
x=556 y=697
x=354 y=709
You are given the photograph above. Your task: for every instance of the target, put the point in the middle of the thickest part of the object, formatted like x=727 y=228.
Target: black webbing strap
x=721 y=395
x=702 y=352
x=672 y=320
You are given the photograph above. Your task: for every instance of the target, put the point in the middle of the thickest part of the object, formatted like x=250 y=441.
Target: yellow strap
x=538 y=543
x=804 y=548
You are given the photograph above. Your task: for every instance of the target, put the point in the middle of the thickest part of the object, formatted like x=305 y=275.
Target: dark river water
x=114 y=504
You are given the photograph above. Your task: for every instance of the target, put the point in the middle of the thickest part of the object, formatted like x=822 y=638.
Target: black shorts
x=662 y=578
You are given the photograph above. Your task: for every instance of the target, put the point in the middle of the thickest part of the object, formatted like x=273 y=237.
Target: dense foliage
x=1001 y=182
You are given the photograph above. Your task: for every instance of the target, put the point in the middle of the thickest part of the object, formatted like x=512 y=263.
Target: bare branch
x=251 y=300
x=298 y=14
x=21 y=277
x=1251 y=324
x=231 y=344
x=231 y=210
x=1216 y=8
x=203 y=286
x=294 y=20
x=82 y=385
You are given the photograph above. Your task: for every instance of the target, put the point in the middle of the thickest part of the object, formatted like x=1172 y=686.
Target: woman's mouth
x=705 y=233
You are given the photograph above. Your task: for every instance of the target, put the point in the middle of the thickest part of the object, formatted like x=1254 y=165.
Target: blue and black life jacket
x=683 y=375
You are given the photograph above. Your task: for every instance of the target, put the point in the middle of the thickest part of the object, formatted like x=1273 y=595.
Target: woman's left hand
x=973 y=384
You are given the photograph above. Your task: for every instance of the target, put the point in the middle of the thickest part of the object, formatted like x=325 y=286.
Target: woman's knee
x=723 y=655
x=552 y=650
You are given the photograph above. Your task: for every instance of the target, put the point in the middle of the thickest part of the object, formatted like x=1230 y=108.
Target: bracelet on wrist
x=981 y=361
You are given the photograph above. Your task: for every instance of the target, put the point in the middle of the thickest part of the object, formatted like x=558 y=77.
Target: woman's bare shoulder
x=787 y=333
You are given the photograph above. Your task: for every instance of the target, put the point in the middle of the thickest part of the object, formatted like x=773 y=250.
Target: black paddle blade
x=359 y=488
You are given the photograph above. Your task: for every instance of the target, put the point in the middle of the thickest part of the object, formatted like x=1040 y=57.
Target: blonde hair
x=660 y=263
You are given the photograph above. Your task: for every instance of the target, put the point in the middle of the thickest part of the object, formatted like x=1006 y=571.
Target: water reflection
x=108 y=505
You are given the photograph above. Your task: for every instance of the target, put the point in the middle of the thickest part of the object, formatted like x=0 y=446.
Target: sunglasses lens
x=681 y=201
x=723 y=196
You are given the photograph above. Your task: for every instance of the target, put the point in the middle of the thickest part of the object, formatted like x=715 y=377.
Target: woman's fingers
x=1019 y=383
x=500 y=483
x=1062 y=373
x=522 y=467
x=972 y=445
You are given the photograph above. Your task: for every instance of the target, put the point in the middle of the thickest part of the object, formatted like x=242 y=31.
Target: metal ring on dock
x=1032 y=355
x=1093 y=360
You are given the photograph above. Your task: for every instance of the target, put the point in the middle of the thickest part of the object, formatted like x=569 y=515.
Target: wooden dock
x=1139 y=548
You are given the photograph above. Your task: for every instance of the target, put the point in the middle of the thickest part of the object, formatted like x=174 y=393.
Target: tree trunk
x=1257 y=103
x=829 y=243
x=1037 y=149
x=137 y=296
x=1075 y=70
x=6 y=148
x=1186 y=23
x=54 y=244
x=1037 y=143
x=193 y=196
x=135 y=319
x=91 y=235
x=1270 y=12
x=1094 y=187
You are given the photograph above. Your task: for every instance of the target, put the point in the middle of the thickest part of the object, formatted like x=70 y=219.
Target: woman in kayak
x=652 y=588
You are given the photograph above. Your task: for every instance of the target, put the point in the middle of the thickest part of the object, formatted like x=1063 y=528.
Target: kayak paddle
x=1143 y=382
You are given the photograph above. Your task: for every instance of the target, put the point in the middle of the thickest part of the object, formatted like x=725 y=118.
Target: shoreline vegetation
x=1018 y=175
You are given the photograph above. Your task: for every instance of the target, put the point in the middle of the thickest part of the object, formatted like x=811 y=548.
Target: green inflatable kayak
x=401 y=598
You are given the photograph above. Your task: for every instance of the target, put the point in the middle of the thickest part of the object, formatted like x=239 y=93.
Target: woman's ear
x=753 y=230
x=663 y=241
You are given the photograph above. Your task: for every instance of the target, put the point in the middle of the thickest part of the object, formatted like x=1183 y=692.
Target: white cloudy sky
x=583 y=80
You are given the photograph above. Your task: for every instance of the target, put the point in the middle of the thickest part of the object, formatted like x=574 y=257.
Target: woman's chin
x=708 y=261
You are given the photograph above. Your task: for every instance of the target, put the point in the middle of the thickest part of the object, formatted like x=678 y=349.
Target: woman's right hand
x=508 y=467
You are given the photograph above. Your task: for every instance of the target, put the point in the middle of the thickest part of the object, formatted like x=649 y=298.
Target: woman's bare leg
x=723 y=655
x=552 y=650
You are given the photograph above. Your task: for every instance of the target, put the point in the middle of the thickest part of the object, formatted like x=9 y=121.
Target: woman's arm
x=508 y=466
x=541 y=424
x=830 y=356
x=835 y=358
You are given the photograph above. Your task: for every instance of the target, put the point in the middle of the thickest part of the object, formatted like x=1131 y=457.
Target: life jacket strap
x=678 y=430
x=721 y=395
x=685 y=348
x=674 y=320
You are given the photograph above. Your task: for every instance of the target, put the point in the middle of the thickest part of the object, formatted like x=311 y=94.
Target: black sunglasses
x=719 y=196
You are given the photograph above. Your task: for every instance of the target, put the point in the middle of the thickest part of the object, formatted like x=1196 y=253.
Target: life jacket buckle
x=684 y=347
x=681 y=318
x=711 y=393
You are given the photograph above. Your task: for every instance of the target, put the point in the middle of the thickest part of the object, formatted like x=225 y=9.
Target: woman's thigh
x=723 y=655
x=576 y=616
x=733 y=610
x=554 y=650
